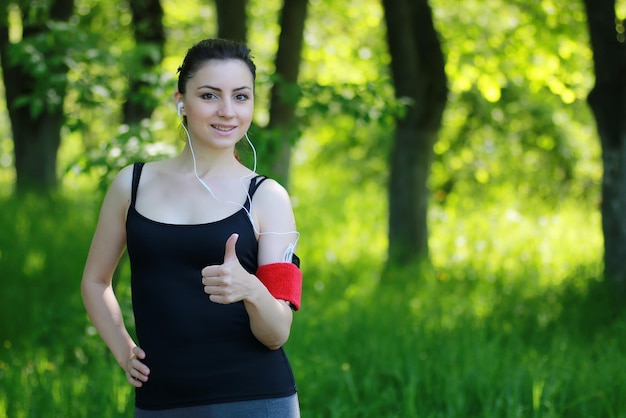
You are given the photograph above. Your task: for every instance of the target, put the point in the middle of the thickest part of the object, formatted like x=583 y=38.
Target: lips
x=224 y=128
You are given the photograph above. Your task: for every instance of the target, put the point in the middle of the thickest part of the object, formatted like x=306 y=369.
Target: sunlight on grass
x=494 y=240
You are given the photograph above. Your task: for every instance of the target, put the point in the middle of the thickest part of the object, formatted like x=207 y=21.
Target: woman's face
x=219 y=103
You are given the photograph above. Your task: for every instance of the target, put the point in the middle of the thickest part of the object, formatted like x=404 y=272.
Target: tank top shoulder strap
x=137 y=167
x=254 y=185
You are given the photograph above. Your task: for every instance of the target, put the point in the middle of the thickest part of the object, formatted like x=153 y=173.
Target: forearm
x=105 y=314
x=270 y=319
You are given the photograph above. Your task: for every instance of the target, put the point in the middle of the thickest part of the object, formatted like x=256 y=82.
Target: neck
x=207 y=162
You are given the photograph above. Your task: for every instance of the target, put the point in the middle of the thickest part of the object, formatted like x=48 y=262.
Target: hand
x=137 y=372
x=228 y=282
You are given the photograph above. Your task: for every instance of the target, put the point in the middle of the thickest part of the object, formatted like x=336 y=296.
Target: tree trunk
x=282 y=113
x=37 y=126
x=149 y=50
x=607 y=101
x=231 y=20
x=417 y=67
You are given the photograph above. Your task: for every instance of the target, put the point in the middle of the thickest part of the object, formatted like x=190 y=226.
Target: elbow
x=91 y=292
x=84 y=291
x=279 y=342
x=274 y=347
x=275 y=342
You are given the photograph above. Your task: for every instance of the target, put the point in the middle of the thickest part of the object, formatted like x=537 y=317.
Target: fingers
x=222 y=288
x=136 y=371
x=217 y=278
x=219 y=290
x=139 y=353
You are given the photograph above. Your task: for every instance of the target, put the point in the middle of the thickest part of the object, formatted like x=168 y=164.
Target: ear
x=180 y=106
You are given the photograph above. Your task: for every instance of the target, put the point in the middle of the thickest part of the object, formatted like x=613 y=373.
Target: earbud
x=179 y=107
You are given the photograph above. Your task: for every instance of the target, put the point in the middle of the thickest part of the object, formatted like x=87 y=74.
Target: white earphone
x=179 y=107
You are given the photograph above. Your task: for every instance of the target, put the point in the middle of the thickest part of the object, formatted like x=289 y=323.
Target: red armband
x=283 y=280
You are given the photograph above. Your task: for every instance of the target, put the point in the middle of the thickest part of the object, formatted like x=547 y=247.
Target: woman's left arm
x=270 y=318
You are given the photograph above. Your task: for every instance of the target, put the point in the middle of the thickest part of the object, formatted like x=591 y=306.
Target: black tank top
x=199 y=352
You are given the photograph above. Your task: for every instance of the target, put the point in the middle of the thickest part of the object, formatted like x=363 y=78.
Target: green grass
x=512 y=320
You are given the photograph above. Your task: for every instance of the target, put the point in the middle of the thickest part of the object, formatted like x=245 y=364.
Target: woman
x=211 y=248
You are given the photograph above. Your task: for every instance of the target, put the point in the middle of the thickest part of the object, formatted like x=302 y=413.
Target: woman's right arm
x=102 y=306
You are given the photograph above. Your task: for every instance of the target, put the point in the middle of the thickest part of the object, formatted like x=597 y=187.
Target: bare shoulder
x=118 y=197
x=271 y=193
x=272 y=206
x=122 y=184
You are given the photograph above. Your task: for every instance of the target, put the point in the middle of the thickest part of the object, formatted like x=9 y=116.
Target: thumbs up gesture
x=228 y=282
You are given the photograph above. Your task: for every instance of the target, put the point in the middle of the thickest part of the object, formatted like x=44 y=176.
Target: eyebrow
x=206 y=86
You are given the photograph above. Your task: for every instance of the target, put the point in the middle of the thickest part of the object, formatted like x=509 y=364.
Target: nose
x=226 y=108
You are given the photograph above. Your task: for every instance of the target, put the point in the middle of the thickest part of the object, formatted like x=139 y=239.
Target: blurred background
x=457 y=174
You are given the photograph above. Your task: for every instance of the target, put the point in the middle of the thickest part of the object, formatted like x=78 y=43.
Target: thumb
x=230 y=253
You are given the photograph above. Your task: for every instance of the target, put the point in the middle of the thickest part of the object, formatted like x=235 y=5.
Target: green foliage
x=516 y=121
x=517 y=118
x=44 y=65
x=37 y=241
x=131 y=144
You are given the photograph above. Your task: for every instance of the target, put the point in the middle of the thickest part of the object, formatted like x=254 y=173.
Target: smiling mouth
x=223 y=128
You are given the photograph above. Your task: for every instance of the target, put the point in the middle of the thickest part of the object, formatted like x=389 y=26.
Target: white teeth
x=222 y=128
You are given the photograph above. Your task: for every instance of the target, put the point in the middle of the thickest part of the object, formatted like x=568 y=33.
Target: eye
x=242 y=97
x=208 y=96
